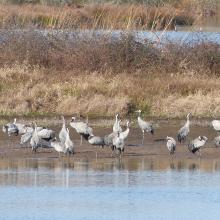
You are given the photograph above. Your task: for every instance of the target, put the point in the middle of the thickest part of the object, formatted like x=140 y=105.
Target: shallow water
x=184 y=35
x=145 y=184
x=42 y=189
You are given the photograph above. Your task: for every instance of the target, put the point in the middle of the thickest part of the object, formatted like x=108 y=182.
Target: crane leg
x=81 y=141
x=143 y=138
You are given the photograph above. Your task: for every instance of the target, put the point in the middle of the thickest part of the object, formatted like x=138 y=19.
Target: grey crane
x=196 y=144
x=35 y=139
x=171 y=145
x=46 y=134
x=22 y=128
x=26 y=137
x=108 y=141
x=63 y=132
x=58 y=146
x=217 y=141
x=116 y=126
x=10 y=128
x=69 y=143
x=96 y=141
x=29 y=131
x=81 y=128
x=216 y=125
x=144 y=125
x=184 y=131
x=118 y=143
x=124 y=134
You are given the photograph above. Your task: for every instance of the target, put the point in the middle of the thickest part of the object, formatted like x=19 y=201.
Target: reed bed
x=96 y=16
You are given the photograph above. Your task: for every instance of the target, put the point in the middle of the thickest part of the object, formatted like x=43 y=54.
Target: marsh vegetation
x=101 y=75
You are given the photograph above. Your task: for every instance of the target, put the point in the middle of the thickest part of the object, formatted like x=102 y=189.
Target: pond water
x=159 y=38
x=51 y=189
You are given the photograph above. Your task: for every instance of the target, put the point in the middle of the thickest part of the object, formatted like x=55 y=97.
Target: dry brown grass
x=101 y=76
x=95 y=16
x=33 y=90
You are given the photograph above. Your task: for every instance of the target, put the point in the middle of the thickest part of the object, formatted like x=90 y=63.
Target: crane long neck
x=64 y=123
x=116 y=118
x=187 y=122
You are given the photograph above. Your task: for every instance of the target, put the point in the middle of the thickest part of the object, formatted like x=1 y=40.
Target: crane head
x=188 y=114
x=138 y=111
x=73 y=119
x=203 y=138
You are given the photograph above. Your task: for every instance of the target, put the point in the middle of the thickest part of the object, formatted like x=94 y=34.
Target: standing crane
x=124 y=134
x=116 y=126
x=96 y=141
x=171 y=145
x=184 y=131
x=63 y=132
x=144 y=125
x=118 y=143
x=68 y=143
x=81 y=128
x=35 y=139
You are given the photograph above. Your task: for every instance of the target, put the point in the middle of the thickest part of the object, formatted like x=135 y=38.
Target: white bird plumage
x=96 y=140
x=217 y=141
x=10 y=128
x=196 y=144
x=171 y=145
x=63 y=132
x=118 y=143
x=46 y=134
x=216 y=125
x=58 y=146
x=35 y=139
x=116 y=127
x=124 y=134
x=144 y=125
x=28 y=134
x=81 y=128
x=69 y=143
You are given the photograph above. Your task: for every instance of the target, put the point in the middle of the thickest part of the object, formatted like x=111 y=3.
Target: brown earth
x=153 y=153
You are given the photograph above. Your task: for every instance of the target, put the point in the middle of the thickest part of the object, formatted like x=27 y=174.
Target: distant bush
x=104 y=52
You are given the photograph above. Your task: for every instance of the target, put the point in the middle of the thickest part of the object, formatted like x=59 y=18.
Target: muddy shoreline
x=151 y=150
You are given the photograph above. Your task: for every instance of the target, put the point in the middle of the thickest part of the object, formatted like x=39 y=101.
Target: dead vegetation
x=95 y=16
x=97 y=73
x=98 y=77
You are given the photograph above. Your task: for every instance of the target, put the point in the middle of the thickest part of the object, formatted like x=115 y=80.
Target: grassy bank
x=28 y=91
x=99 y=77
x=87 y=15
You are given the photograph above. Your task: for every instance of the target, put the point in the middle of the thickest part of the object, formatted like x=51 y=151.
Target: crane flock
x=42 y=137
